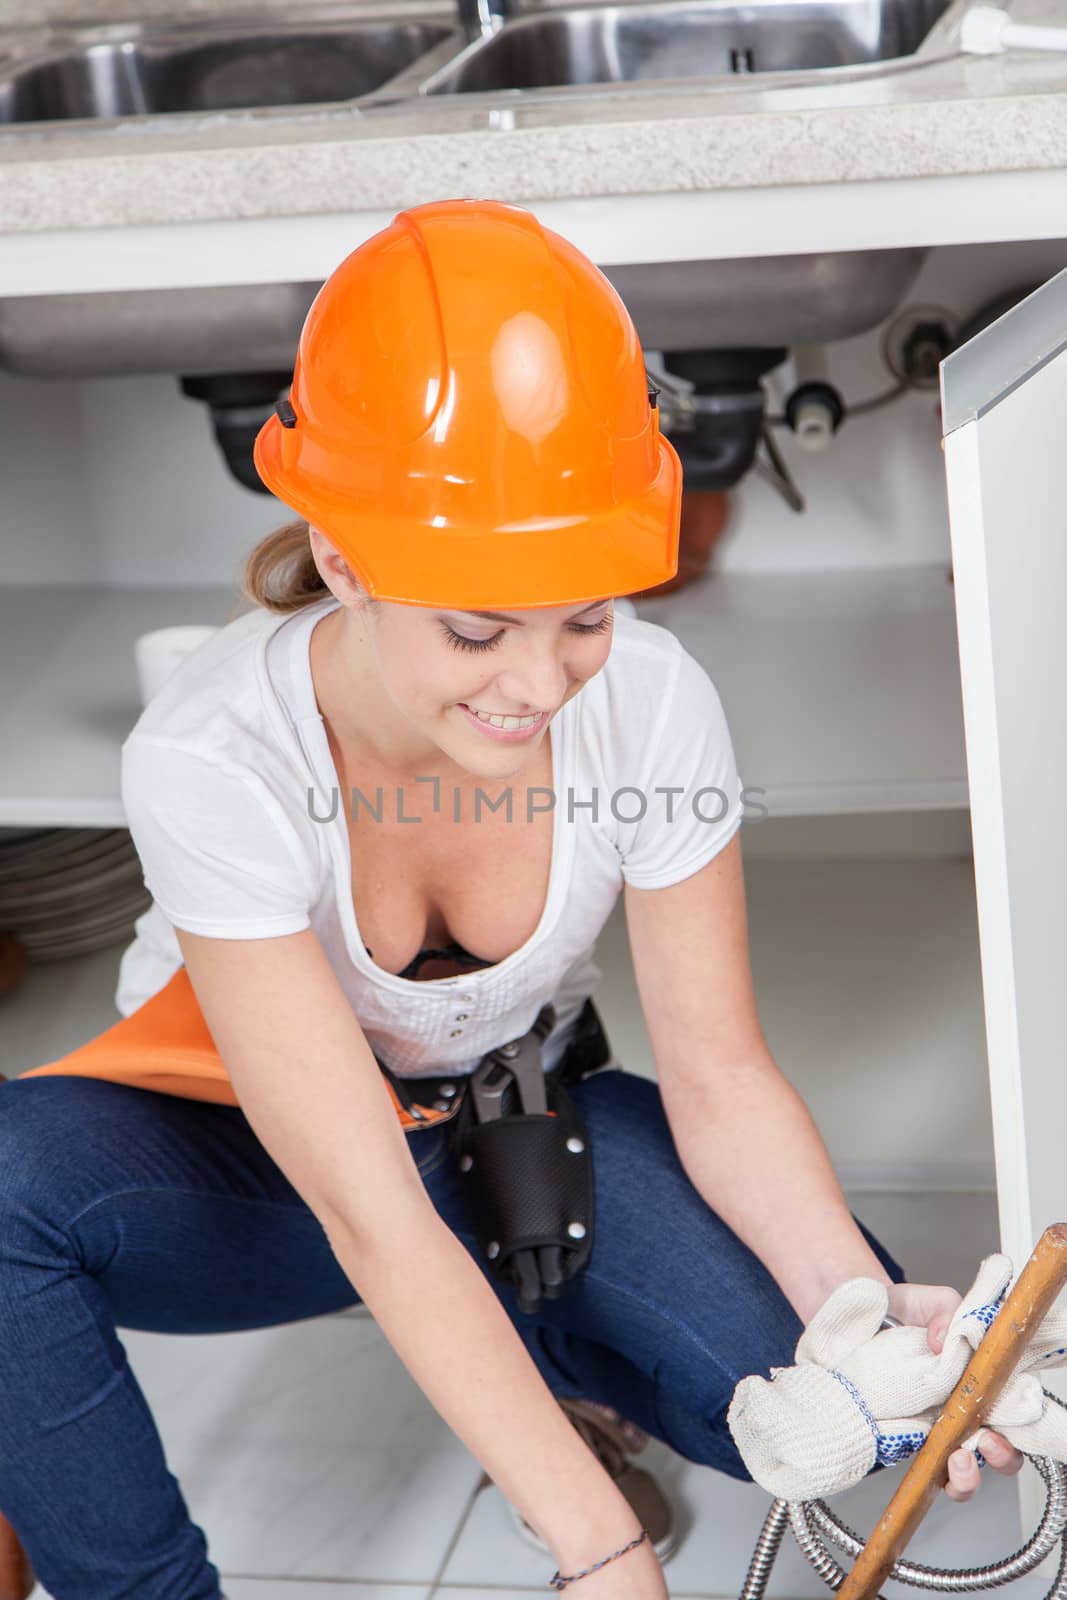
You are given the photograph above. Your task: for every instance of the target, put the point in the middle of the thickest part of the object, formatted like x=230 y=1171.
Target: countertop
x=937 y=113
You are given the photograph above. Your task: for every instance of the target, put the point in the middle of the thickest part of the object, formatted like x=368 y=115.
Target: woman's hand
x=933 y=1306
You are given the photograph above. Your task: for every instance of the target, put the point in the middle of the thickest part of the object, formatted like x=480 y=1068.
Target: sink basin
x=132 y=70
x=391 y=52
x=680 y=305
x=685 y=39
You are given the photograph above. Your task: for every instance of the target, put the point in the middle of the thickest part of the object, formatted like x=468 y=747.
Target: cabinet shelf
x=71 y=695
x=841 y=688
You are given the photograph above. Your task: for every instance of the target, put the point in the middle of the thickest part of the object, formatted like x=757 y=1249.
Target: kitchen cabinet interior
x=836 y=640
x=831 y=636
x=784 y=648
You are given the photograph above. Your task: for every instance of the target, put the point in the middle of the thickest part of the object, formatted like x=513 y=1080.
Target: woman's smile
x=512 y=730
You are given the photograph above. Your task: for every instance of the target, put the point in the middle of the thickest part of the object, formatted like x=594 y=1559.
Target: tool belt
x=522 y=1153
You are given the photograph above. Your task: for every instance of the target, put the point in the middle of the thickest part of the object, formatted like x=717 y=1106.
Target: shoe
x=612 y=1439
x=637 y=1437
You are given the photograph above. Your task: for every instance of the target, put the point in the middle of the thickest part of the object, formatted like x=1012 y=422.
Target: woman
x=475 y=457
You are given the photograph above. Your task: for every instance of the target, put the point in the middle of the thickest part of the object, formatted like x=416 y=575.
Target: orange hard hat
x=470 y=423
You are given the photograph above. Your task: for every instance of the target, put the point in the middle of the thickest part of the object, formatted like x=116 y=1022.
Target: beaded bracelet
x=558 y=1582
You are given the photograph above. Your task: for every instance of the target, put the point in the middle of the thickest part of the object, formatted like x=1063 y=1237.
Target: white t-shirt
x=227 y=775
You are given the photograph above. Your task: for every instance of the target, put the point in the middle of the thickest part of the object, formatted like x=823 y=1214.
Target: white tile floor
x=319 y=1471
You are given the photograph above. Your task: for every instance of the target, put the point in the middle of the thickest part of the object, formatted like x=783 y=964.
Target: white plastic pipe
x=813 y=422
x=986 y=30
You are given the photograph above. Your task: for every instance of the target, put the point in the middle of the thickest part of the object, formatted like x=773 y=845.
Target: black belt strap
x=587 y=1050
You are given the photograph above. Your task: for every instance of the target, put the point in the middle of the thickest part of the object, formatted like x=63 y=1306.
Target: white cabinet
x=1005 y=404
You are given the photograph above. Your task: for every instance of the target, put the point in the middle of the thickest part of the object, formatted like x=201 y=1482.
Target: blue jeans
x=123 y=1207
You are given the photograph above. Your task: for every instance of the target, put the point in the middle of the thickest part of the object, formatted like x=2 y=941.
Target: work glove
x=863 y=1393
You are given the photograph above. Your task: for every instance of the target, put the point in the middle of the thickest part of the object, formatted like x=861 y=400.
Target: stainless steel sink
x=633 y=43
x=377 y=54
x=680 y=305
x=138 y=70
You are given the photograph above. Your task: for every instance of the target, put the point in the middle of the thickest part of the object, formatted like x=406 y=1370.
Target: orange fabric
x=165 y=1045
x=470 y=422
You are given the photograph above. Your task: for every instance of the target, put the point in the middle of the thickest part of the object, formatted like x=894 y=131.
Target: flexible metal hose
x=811 y=1519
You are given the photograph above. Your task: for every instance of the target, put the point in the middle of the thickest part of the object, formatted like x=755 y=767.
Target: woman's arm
x=753 y=1151
x=746 y=1139
x=307 y=1081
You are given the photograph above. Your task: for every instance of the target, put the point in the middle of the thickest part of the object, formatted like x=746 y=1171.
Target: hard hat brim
x=619 y=551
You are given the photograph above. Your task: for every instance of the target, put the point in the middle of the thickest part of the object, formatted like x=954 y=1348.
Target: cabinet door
x=1004 y=404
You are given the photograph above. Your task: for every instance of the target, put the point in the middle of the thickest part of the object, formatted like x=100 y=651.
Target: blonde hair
x=280 y=571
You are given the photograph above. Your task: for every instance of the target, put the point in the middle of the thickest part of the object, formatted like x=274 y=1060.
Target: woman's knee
x=630 y=1137
x=664 y=1265
x=656 y=1233
x=641 y=1181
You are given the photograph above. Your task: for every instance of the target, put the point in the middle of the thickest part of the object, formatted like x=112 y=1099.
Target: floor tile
x=307 y=1450
x=297 y=1589
x=720 y=1520
x=288 y=1589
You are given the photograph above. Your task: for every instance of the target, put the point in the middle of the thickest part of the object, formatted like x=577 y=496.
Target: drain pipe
x=717 y=410
x=240 y=403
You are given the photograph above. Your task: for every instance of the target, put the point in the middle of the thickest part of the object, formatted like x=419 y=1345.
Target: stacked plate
x=67 y=891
